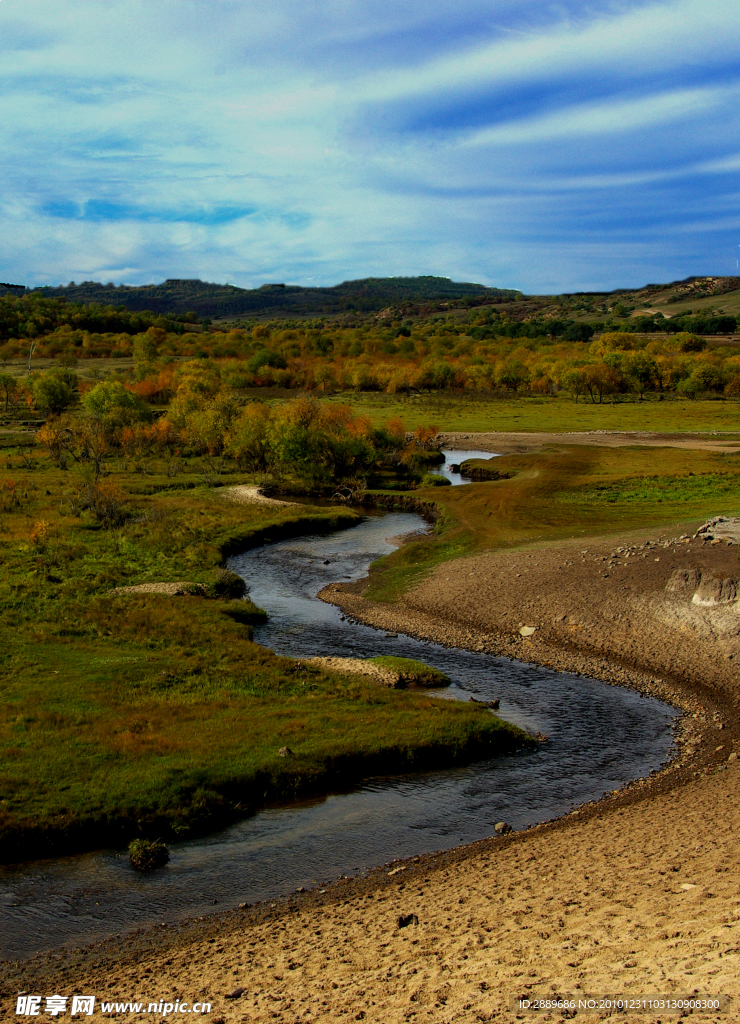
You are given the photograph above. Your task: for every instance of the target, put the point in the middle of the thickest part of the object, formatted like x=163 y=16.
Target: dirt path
x=509 y=443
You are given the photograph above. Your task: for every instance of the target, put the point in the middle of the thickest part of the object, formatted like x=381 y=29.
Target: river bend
x=601 y=737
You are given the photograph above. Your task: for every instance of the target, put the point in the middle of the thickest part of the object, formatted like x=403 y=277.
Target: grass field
x=458 y=412
x=128 y=714
x=566 y=492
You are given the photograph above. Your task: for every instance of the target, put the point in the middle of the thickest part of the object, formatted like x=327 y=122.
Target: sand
x=358 y=667
x=638 y=900
x=637 y=895
x=250 y=494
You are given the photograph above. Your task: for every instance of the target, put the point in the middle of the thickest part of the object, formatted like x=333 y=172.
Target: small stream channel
x=601 y=737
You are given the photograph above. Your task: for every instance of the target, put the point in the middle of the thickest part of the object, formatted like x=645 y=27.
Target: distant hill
x=178 y=297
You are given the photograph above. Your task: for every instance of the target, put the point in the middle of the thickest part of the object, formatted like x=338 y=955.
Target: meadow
x=464 y=413
x=128 y=714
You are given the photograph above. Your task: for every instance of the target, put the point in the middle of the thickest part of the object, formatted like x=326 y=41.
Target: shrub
x=245 y=612
x=224 y=583
x=105 y=502
x=147 y=854
x=435 y=480
x=54 y=391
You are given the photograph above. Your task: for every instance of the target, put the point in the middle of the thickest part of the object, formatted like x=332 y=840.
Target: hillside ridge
x=176 y=295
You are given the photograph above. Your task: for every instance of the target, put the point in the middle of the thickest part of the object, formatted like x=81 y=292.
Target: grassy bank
x=132 y=714
x=461 y=412
x=412 y=672
x=565 y=491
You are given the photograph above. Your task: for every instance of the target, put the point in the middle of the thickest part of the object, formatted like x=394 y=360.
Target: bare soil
x=511 y=443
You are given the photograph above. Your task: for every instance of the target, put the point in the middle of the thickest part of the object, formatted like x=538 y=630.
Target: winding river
x=601 y=737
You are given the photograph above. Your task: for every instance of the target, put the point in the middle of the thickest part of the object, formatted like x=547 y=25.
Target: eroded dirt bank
x=637 y=894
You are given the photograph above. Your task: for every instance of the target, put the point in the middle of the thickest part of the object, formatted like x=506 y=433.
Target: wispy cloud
x=318 y=140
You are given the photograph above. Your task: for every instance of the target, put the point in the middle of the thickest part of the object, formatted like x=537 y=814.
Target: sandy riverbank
x=512 y=443
x=636 y=895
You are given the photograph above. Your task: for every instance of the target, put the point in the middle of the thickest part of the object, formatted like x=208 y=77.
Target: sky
x=550 y=147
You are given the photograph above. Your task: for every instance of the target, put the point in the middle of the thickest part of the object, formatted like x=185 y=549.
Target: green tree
x=641 y=371
x=249 y=440
x=145 y=350
x=9 y=386
x=578 y=332
x=709 y=377
x=689 y=387
x=54 y=391
x=111 y=402
x=601 y=380
x=512 y=375
x=574 y=381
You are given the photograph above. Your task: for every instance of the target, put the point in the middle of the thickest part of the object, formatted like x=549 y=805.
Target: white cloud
x=647 y=39
x=606 y=117
x=340 y=128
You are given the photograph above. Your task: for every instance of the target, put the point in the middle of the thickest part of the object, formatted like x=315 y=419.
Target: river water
x=600 y=737
x=454 y=458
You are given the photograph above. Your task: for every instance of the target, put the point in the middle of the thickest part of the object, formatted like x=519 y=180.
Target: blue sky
x=542 y=146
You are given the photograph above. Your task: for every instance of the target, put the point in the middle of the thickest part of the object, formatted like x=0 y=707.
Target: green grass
x=664 y=490
x=412 y=671
x=562 y=492
x=459 y=412
x=142 y=714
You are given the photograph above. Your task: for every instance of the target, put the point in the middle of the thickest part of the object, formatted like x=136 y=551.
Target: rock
x=391 y=636
x=527 y=630
x=236 y=994
x=501 y=828
x=148 y=854
x=732 y=757
x=404 y=920
x=721 y=528
x=494 y=704
x=285 y=752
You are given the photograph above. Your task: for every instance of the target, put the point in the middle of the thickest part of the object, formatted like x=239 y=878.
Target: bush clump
x=148 y=854
x=105 y=502
x=435 y=480
x=411 y=672
x=223 y=583
x=245 y=611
